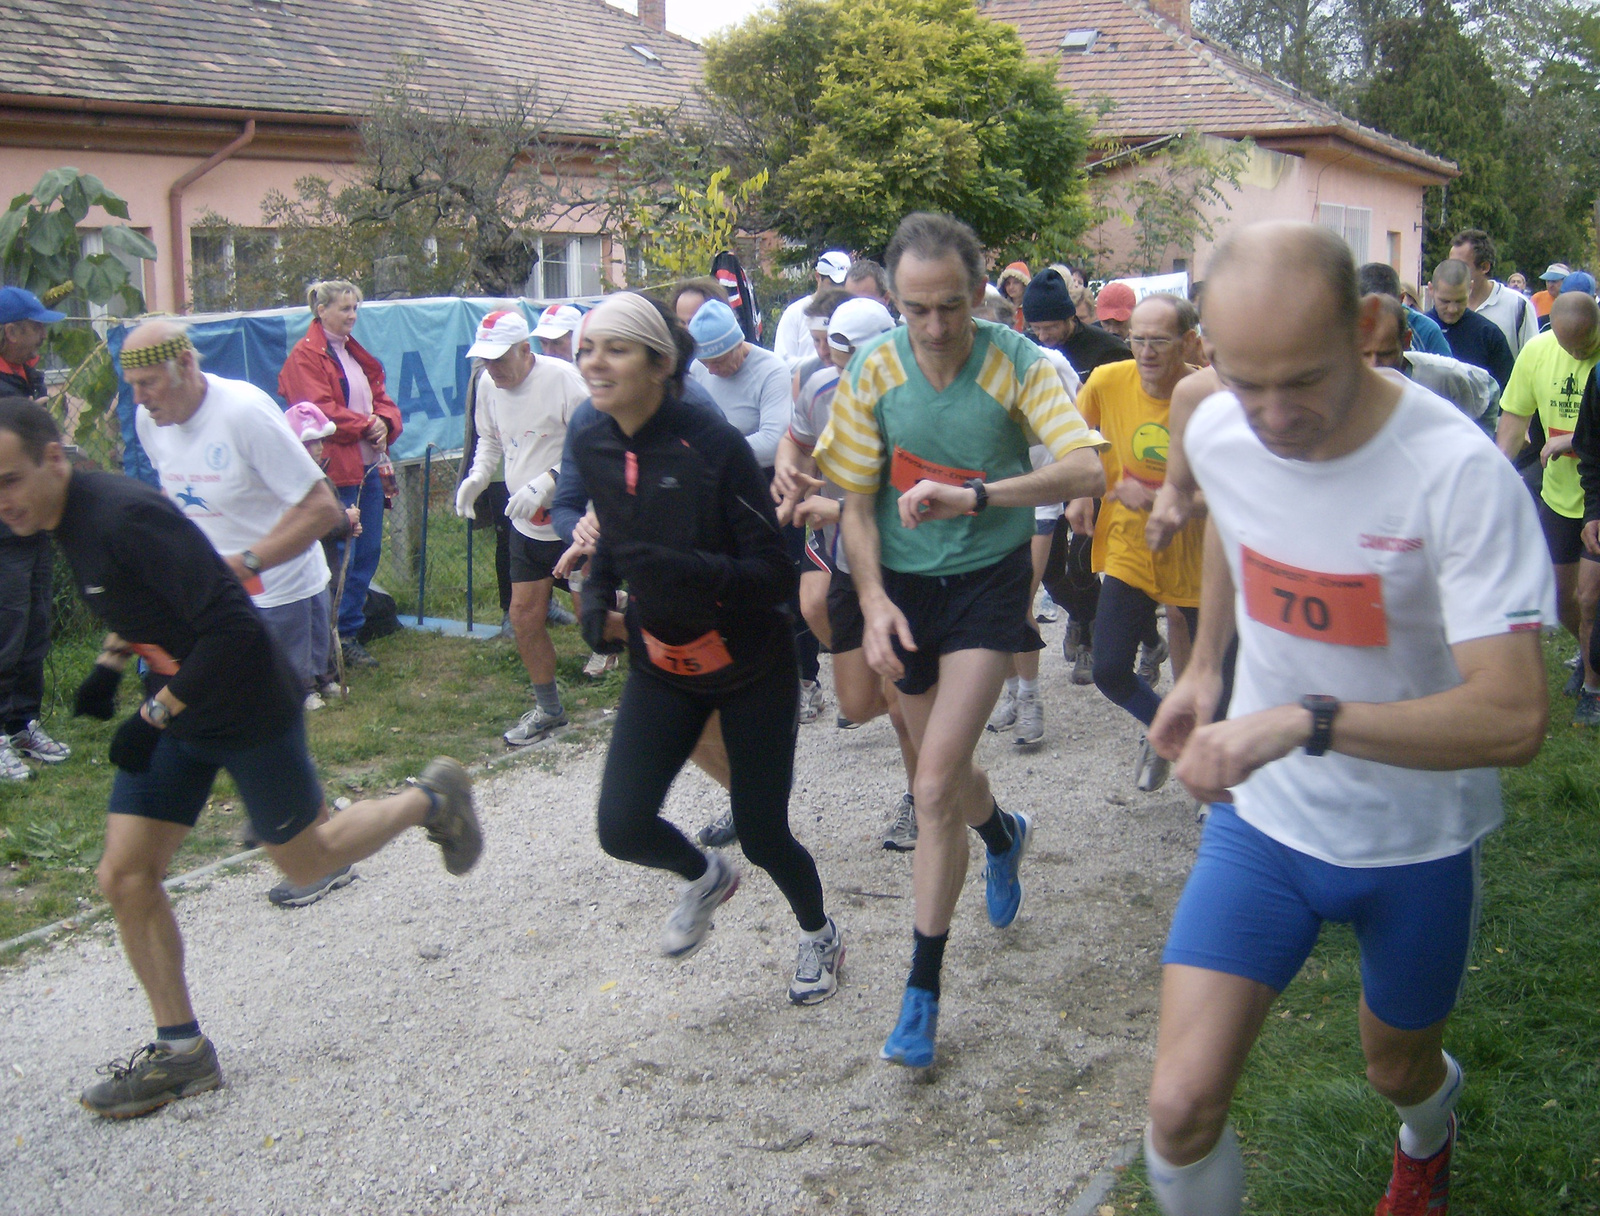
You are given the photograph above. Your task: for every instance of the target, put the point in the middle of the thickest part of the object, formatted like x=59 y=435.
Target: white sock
x=821 y=935
x=1011 y=685
x=1027 y=690
x=180 y=1047
x=1211 y=1186
x=1425 y=1127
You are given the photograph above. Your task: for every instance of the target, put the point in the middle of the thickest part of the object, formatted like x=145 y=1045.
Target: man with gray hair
x=928 y=437
x=1387 y=341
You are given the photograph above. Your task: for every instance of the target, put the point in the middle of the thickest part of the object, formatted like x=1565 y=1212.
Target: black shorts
x=276 y=781
x=844 y=614
x=984 y=609
x=1563 y=537
x=533 y=561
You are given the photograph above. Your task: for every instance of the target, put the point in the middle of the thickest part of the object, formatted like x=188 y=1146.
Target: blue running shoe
x=1004 y=888
x=911 y=1042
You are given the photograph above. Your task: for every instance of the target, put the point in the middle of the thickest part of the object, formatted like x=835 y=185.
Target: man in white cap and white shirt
x=523 y=406
x=793 y=341
x=557 y=324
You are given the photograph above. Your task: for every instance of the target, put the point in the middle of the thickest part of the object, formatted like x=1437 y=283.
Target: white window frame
x=1353 y=224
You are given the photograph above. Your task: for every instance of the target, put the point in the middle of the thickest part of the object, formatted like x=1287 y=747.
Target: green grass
x=1527 y=1031
x=431 y=695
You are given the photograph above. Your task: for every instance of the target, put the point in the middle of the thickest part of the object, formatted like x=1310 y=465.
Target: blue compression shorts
x=1253 y=907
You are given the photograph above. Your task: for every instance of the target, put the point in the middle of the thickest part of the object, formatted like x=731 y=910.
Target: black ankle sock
x=178 y=1033
x=996 y=831
x=927 y=960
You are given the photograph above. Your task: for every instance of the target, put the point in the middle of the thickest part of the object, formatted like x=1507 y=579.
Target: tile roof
x=312 y=58
x=1163 y=80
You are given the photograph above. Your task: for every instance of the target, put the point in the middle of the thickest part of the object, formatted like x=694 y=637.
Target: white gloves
x=533 y=497
x=468 y=494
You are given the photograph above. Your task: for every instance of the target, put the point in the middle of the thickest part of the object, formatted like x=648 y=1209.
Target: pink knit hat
x=308 y=423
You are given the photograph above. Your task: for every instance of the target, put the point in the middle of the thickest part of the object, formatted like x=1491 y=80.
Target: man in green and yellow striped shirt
x=929 y=439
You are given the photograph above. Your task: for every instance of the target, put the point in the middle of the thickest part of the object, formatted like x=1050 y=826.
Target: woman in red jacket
x=330 y=369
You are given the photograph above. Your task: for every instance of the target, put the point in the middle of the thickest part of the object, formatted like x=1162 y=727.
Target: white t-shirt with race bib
x=1354 y=577
x=234 y=468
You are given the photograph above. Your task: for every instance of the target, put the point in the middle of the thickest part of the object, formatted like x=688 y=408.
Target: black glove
x=668 y=574
x=97 y=695
x=134 y=744
x=592 y=624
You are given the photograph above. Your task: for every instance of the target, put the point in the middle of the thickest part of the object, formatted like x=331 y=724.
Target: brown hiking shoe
x=152 y=1077
x=452 y=824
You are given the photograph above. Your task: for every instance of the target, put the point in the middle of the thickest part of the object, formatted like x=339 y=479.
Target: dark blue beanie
x=1047 y=299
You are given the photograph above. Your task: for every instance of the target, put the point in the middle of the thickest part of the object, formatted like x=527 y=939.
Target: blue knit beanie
x=715 y=330
x=1047 y=299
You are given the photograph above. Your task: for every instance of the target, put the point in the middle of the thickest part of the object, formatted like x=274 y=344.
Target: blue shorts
x=1253 y=907
x=276 y=780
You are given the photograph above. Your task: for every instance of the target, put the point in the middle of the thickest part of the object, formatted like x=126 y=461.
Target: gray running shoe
x=557 y=614
x=1071 y=640
x=1574 y=684
x=902 y=834
x=152 y=1077
x=1030 y=722
x=811 y=700
x=533 y=726
x=844 y=723
x=816 y=970
x=1150 y=660
x=1083 y=666
x=1150 y=771
x=1005 y=711
x=453 y=823
x=690 y=921
x=32 y=741
x=355 y=654
x=11 y=766
x=719 y=833
x=287 y=895
x=1587 y=711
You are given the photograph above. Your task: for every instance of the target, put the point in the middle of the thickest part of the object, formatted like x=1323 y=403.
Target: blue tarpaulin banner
x=422 y=345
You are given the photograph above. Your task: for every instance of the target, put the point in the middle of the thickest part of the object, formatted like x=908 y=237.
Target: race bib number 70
x=1344 y=609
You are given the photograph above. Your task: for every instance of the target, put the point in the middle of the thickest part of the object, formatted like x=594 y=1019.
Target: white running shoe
x=1030 y=722
x=811 y=700
x=901 y=836
x=314 y=701
x=1151 y=770
x=816 y=969
x=1046 y=612
x=533 y=726
x=32 y=741
x=11 y=766
x=599 y=664
x=1005 y=711
x=688 y=923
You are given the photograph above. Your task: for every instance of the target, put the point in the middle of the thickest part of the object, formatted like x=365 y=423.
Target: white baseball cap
x=834 y=265
x=557 y=321
x=857 y=321
x=499 y=332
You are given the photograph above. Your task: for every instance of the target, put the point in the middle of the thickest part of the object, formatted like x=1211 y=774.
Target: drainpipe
x=180 y=292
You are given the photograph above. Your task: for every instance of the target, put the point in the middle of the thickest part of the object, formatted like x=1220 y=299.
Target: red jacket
x=313 y=373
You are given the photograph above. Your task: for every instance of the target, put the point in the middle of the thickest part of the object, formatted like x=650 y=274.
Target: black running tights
x=657 y=727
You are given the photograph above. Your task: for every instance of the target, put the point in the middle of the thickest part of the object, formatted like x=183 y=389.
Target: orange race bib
x=1344 y=609
x=706 y=654
x=162 y=663
x=906 y=469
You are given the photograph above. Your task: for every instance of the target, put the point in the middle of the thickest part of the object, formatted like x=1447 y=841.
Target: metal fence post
x=469 y=574
x=422 y=555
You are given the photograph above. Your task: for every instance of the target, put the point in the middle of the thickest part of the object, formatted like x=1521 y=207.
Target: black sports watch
x=251 y=562
x=979 y=491
x=1323 y=708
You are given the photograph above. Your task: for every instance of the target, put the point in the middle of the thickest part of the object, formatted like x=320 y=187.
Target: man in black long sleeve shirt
x=218 y=696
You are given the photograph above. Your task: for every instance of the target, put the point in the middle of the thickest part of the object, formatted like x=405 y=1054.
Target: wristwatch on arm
x=250 y=562
x=980 y=492
x=1322 y=708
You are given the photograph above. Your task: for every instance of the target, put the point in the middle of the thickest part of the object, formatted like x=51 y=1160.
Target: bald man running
x=1381 y=566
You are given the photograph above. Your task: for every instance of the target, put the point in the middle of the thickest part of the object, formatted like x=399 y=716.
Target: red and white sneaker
x=1419 y=1188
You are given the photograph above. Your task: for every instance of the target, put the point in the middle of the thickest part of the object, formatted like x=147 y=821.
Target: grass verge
x=1318 y=1140
x=431 y=695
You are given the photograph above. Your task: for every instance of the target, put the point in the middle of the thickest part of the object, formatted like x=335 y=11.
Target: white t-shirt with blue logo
x=233 y=469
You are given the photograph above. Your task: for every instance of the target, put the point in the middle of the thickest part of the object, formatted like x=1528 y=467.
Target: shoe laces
x=118 y=1069
x=905 y=816
x=808 y=963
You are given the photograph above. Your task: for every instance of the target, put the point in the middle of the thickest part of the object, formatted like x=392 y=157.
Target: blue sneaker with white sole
x=1003 y=886
x=911 y=1041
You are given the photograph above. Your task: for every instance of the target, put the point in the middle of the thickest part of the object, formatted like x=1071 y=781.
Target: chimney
x=654 y=13
x=1174 y=11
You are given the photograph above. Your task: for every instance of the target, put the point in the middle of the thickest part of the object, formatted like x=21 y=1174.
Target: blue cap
x=1578 y=280
x=20 y=304
x=715 y=330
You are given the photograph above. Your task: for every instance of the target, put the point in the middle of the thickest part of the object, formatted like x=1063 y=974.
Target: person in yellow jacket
x=1129 y=403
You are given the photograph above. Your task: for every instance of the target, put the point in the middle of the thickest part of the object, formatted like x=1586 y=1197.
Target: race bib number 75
x=1344 y=609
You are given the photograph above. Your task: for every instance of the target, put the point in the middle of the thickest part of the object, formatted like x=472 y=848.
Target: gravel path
x=512 y=1042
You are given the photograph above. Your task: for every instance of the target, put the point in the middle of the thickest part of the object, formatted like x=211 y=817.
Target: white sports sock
x=181 y=1047
x=1211 y=1186
x=821 y=935
x=1011 y=685
x=1425 y=1127
x=1027 y=690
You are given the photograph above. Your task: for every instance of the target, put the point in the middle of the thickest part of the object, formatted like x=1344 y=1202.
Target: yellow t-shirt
x=1548 y=380
x=1134 y=424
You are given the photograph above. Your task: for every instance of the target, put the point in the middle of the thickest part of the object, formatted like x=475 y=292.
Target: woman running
x=687 y=523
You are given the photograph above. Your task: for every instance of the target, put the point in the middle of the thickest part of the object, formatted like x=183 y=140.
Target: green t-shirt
x=1549 y=380
x=889 y=429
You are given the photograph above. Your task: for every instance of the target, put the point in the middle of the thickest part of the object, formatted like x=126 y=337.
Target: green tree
x=1434 y=88
x=679 y=238
x=1170 y=201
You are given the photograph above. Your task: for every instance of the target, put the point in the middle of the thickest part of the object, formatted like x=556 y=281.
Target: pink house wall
x=1281 y=186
